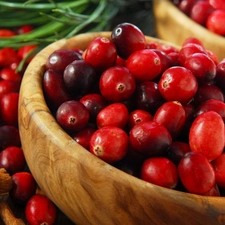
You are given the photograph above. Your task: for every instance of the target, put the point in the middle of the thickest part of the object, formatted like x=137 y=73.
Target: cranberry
x=172 y=116
x=206 y=92
x=109 y=143
x=217 y=4
x=8 y=56
x=212 y=105
x=202 y=66
x=200 y=12
x=219 y=168
x=150 y=138
x=54 y=89
x=10 y=74
x=148 y=97
x=178 y=84
x=72 y=115
x=207 y=135
x=23 y=188
x=117 y=84
x=192 y=40
x=128 y=38
x=79 y=76
x=220 y=75
x=144 y=65
x=7 y=86
x=9 y=108
x=24 y=51
x=12 y=159
x=6 y=33
x=94 y=103
x=101 y=53
x=160 y=171
x=106 y=117
x=24 y=29
x=9 y=136
x=203 y=179
x=40 y=210
x=83 y=137
x=186 y=5
x=188 y=50
x=215 y=22
x=138 y=116
x=177 y=150
x=59 y=59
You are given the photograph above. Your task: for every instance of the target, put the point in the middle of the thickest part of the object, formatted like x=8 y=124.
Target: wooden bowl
x=174 y=26
x=88 y=190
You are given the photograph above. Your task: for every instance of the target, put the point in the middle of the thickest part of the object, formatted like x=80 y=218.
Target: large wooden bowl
x=88 y=190
x=174 y=26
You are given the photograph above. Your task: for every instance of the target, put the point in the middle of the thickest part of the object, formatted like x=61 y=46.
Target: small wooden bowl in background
x=174 y=26
x=88 y=190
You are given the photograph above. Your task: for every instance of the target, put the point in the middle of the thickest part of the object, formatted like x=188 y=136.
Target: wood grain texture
x=88 y=190
x=174 y=26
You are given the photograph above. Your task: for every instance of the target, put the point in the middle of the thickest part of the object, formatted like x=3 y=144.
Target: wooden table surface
x=140 y=15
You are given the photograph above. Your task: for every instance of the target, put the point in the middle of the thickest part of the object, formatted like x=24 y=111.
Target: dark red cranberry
x=128 y=38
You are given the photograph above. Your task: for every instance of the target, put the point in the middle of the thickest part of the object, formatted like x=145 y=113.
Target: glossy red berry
x=144 y=65
x=109 y=143
x=72 y=115
x=203 y=179
x=40 y=210
x=101 y=53
x=178 y=84
x=23 y=188
x=106 y=117
x=150 y=138
x=207 y=135
x=128 y=38
x=160 y=171
x=117 y=84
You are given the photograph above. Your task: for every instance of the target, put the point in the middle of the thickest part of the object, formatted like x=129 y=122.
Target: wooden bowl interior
x=174 y=26
x=86 y=189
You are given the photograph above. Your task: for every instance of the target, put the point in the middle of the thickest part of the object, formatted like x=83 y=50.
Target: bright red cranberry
x=219 y=168
x=24 y=29
x=9 y=136
x=148 y=97
x=54 y=89
x=72 y=115
x=9 y=108
x=214 y=191
x=106 y=117
x=202 y=66
x=217 y=4
x=94 y=103
x=79 y=77
x=101 y=53
x=215 y=22
x=138 y=116
x=83 y=137
x=171 y=115
x=40 y=210
x=177 y=150
x=23 y=188
x=203 y=179
x=150 y=138
x=206 y=92
x=10 y=74
x=59 y=59
x=109 y=143
x=192 y=40
x=200 y=12
x=160 y=171
x=213 y=56
x=117 y=84
x=12 y=159
x=188 y=50
x=220 y=75
x=128 y=38
x=207 y=135
x=212 y=105
x=8 y=56
x=6 y=33
x=24 y=51
x=144 y=65
x=178 y=84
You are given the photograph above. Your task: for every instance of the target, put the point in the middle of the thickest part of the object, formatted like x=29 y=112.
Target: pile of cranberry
x=150 y=109
x=208 y=13
x=23 y=191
